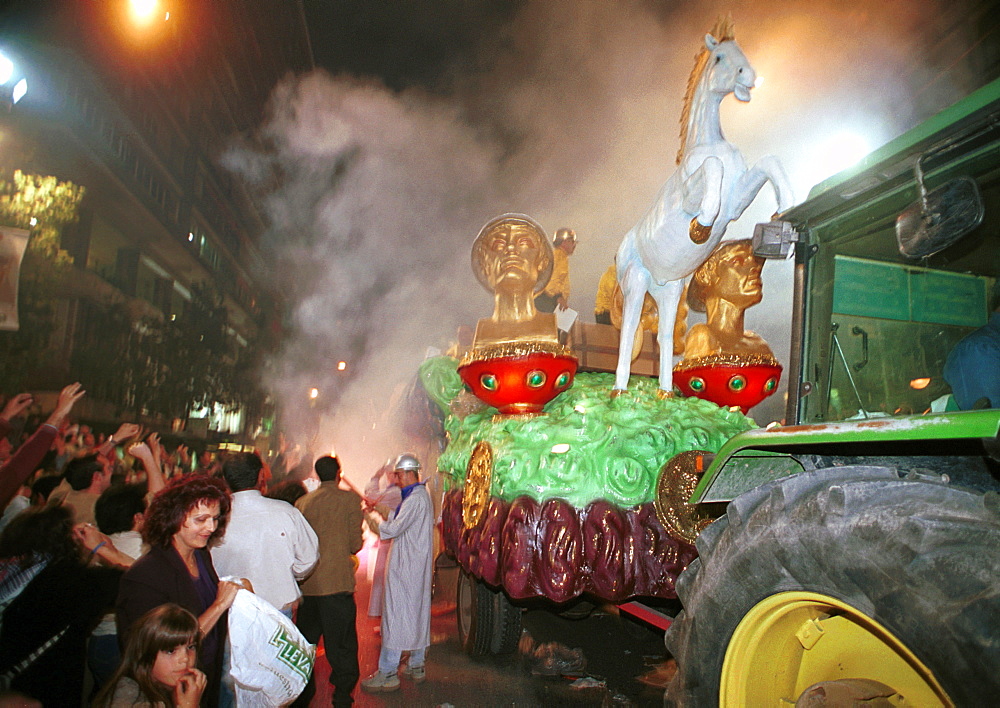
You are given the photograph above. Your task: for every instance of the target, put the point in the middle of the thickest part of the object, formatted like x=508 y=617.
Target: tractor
x=858 y=555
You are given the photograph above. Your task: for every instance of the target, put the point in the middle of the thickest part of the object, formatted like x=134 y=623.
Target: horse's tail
x=680 y=324
x=617 y=308
x=650 y=320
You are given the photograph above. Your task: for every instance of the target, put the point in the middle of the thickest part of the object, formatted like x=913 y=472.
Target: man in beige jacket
x=328 y=608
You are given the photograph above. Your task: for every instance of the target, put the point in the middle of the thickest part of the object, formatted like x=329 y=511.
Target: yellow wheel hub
x=792 y=640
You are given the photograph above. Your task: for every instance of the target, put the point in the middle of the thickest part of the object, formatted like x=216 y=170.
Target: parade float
x=848 y=556
x=555 y=488
x=560 y=485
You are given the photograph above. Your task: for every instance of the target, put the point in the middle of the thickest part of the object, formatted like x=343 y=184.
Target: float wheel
x=488 y=623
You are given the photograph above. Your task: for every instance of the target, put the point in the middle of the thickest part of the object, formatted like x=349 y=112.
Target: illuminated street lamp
x=6 y=69
x=13 y=87
x=143 y=11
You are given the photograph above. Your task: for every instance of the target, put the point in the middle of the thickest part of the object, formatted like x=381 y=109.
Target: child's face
x=172 y=664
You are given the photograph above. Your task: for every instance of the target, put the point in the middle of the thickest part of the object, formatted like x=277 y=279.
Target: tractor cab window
x=883 y=316
x=901 y=261
x=892 y=327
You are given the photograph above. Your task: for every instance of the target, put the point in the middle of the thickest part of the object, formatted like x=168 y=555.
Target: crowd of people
x=120 y=561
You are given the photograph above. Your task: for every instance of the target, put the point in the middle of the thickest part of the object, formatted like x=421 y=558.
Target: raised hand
x=67 y=397
x=16 y=405
x=154 y=444
x=89 y=536
x=126 y=431
x=141 y=451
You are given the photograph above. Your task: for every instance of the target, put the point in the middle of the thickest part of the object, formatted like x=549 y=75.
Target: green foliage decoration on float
x=586 y=446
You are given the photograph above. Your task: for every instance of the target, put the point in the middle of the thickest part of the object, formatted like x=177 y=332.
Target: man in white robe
x=406 y=615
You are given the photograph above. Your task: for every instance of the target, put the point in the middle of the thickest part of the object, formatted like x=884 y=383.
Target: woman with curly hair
x=182 y=521
x=159 y=664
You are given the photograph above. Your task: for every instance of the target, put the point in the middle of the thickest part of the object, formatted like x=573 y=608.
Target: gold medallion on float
x=478 y=480
x=674 y=487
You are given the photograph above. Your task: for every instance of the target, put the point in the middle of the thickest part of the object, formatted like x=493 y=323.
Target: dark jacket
x=64 y=594
x=160 y=577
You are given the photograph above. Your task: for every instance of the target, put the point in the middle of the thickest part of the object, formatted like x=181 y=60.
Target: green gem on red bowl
x=562 y=380
x=772 y=383
x=489 y=382
x=738 y=383
x=535 y=379
x=697 y=384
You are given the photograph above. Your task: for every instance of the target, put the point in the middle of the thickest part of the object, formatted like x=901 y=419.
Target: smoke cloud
x=569 y=113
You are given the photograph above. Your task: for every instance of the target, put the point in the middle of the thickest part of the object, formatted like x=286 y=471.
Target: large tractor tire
x=487 y=621
x=851 y=578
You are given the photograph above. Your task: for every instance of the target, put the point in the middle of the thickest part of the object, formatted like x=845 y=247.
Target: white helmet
x=408 y=462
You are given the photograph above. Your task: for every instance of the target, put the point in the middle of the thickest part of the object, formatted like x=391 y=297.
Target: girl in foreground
x=159 y=666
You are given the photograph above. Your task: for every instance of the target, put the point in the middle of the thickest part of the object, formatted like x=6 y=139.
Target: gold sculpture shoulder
x=723 y=287
x=512 y=258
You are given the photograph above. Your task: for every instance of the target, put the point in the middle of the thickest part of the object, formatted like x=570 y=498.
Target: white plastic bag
x=270 y=659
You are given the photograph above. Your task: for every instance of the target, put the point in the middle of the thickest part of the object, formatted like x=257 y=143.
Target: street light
x=143 y=10
x=8 y=74
x=6 y=69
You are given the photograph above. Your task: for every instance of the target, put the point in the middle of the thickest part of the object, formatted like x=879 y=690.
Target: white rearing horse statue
x=711 y=187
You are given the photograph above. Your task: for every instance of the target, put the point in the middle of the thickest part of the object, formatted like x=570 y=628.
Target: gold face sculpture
x=723 y=287
x=512 y=258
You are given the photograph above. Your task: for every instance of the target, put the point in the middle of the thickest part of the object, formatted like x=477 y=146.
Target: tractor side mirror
x=940 y=217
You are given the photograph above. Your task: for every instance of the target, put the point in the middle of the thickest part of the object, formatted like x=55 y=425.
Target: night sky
x=422 y=43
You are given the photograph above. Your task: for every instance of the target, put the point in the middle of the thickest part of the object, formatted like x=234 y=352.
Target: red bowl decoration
x=519 y=383
x=729 y=380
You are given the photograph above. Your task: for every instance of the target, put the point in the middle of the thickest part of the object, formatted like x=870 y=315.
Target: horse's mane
x=723 y=31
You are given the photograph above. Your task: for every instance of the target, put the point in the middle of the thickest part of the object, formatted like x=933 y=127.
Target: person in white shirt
x=267 y=541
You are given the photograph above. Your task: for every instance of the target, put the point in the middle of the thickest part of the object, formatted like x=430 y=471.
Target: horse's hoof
x=698 y=233
x=661 y=394
x=616 y=392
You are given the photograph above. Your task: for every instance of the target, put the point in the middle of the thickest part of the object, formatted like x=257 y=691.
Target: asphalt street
x=626 y=663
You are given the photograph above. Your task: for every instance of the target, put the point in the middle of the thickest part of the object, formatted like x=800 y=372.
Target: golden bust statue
x=512 y=258
x=723 y=287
